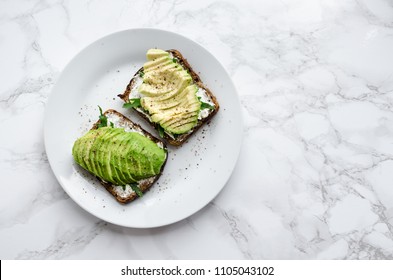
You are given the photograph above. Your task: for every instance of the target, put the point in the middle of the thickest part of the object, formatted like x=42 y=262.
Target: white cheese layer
x=127 y=190
x=201 y=93
x=123 y=192
x=119 y=122
x=138 y=80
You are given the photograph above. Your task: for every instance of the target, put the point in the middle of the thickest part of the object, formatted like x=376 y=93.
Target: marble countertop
x=314 y=179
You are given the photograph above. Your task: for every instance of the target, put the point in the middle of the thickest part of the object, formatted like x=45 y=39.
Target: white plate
x=194 y=174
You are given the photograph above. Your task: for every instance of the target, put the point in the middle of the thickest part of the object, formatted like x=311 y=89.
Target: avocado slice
x=178 y=87
x=168 y=66
x=173 y=121
x=115 y=160
x=106 y=153
x=156 y=63
x=77 y=153
x=95 y=153
x=155 y=53
x=88 y=151
x=124 y=159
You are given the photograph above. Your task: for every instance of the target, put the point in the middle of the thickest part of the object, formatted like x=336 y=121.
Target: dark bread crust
x=180 y=139
x=144 y=186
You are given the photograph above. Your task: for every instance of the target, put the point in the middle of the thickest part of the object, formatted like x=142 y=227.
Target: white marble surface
x=315 y=176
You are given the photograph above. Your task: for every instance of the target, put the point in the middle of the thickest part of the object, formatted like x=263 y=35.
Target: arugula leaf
x=161 y=131
x=136 y=189
x=205 y=105
x=132 y=103
x=141 y=74
x=174 y=60
x=112 y=125
x=103 y=119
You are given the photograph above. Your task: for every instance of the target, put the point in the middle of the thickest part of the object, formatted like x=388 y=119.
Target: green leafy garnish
x=103 y=119
x=132 y=103
x=112 y=125
x=174 y=60
x=141 y=74
x=205 y=105
x=136 y=189
x=160 y=131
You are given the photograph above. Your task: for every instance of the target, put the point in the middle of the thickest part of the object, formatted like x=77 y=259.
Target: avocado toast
x=168 y=93
x=126 y=159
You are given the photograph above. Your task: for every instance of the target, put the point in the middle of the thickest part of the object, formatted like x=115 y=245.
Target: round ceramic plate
x=195 y=172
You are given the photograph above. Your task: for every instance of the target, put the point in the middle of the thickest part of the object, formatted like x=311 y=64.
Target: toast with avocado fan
x=126 y=159
x=170 y=95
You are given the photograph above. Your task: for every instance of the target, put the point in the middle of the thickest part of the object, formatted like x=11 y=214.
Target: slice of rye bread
x=126 y=196
x=180 y=139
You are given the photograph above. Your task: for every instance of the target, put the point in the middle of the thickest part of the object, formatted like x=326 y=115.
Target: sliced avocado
x=99 y=151
x=156 y=64
x=160 y=83
x=105 y=156
x=155 y=107
x=163 y=75
x=171 y=121
x=155 y=53
x=95 y=152
x=182 y=82
x=110 y=144
x=153 y=156
x=88 y=150
x=155 y=89
x=117 y=156
x=81 y=147
x=183 y=128
x=135 y=165
x=125 y=158
x=101 y=159
x=84 y=148
x=115 y=161
x=178 y=114
x=169 y=93
x=179 y=86
x=169 y=65
x=76 y=152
